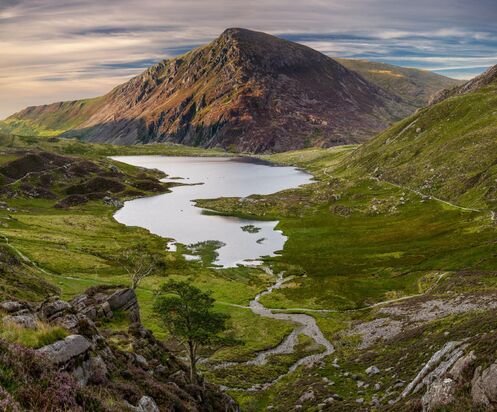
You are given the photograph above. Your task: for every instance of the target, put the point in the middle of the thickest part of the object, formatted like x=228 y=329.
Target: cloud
x=53 y=50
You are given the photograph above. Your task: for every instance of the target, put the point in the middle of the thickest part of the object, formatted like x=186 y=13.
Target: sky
x=53 y=50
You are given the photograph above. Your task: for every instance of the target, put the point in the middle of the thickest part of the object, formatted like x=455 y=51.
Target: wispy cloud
x=54 y=50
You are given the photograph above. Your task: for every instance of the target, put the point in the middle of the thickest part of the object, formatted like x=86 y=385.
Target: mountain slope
x=246 y=90
x=415 y=87
x=448 y=149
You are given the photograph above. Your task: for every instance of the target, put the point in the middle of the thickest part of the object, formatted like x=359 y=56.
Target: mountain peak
x=246 y=90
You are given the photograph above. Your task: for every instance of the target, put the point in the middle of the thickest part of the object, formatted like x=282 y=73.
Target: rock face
x=246 y=90
x=26 y=321
x=484 y=387
x=438 y=395
x=448 y=371
x=147 y=404
x=67 y=349
x=435 y=369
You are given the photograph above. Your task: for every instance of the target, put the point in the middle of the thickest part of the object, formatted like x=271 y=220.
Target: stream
x=306 y=325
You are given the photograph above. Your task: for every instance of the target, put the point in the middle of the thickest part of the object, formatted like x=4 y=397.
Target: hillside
x=246 y=90
x=413 y=86
x=446 y=150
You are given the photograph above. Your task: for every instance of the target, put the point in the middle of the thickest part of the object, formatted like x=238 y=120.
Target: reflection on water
x=173 y=215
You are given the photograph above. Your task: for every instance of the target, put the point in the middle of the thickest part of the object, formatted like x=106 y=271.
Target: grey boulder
x=52 y=309
x=64 y=350
x=147 y=404
x=11 y=306
x=25 y=321
x=484 y=386
x=122 y=299
x=439 y=394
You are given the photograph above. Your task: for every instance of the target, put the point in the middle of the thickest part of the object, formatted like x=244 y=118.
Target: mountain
x=414 y=87
x=447 y=149
x=246 y=90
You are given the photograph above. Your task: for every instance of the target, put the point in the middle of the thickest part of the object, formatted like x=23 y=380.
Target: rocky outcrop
x=436 y=367
x=449 y=370
x=143 y=377
x=439 y=394
x=125 y=299
x=484 y=387
x=53 y=308
x=145 y=404
x=25 y=321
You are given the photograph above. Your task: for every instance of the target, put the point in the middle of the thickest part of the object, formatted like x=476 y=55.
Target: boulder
x=462 y=365
x=79 y=302
x=106 y=310
x=125 y=299
x=91 y=370
x=140 y=361
x=306 y=396
x=26 y=321
x=69 y=321
x=112 y=201
x=64 y=350
x=147 y=404
x=122 y=299
x=11 y=306
x=90 y=312
x=55 y=308
x=439 y=394
x=484 y=386
x=372 y=370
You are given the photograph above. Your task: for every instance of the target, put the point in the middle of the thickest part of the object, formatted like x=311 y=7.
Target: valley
x=426 y=251
x=253 y=226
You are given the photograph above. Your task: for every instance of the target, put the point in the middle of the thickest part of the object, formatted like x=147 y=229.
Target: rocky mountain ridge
x=483 y=80
x=246 y=91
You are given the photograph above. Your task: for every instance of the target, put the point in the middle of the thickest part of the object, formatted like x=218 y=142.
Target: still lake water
x=173 y=215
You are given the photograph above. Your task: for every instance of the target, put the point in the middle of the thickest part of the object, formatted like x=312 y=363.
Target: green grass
x=43 y=335
x=387 y=240
x=75 y=147
x=447 y=150
x=245 y=376
x=352 y=242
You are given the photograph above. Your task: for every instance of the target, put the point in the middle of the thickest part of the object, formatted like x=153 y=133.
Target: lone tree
x=139 y=264
x=187 y=314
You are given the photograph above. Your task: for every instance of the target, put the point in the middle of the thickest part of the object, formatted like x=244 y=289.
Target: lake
x=174 y=215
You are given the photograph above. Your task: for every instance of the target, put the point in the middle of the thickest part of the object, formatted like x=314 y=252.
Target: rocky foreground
x=96 y=367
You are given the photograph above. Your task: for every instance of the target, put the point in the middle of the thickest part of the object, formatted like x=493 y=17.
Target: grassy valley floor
x=357 y=248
